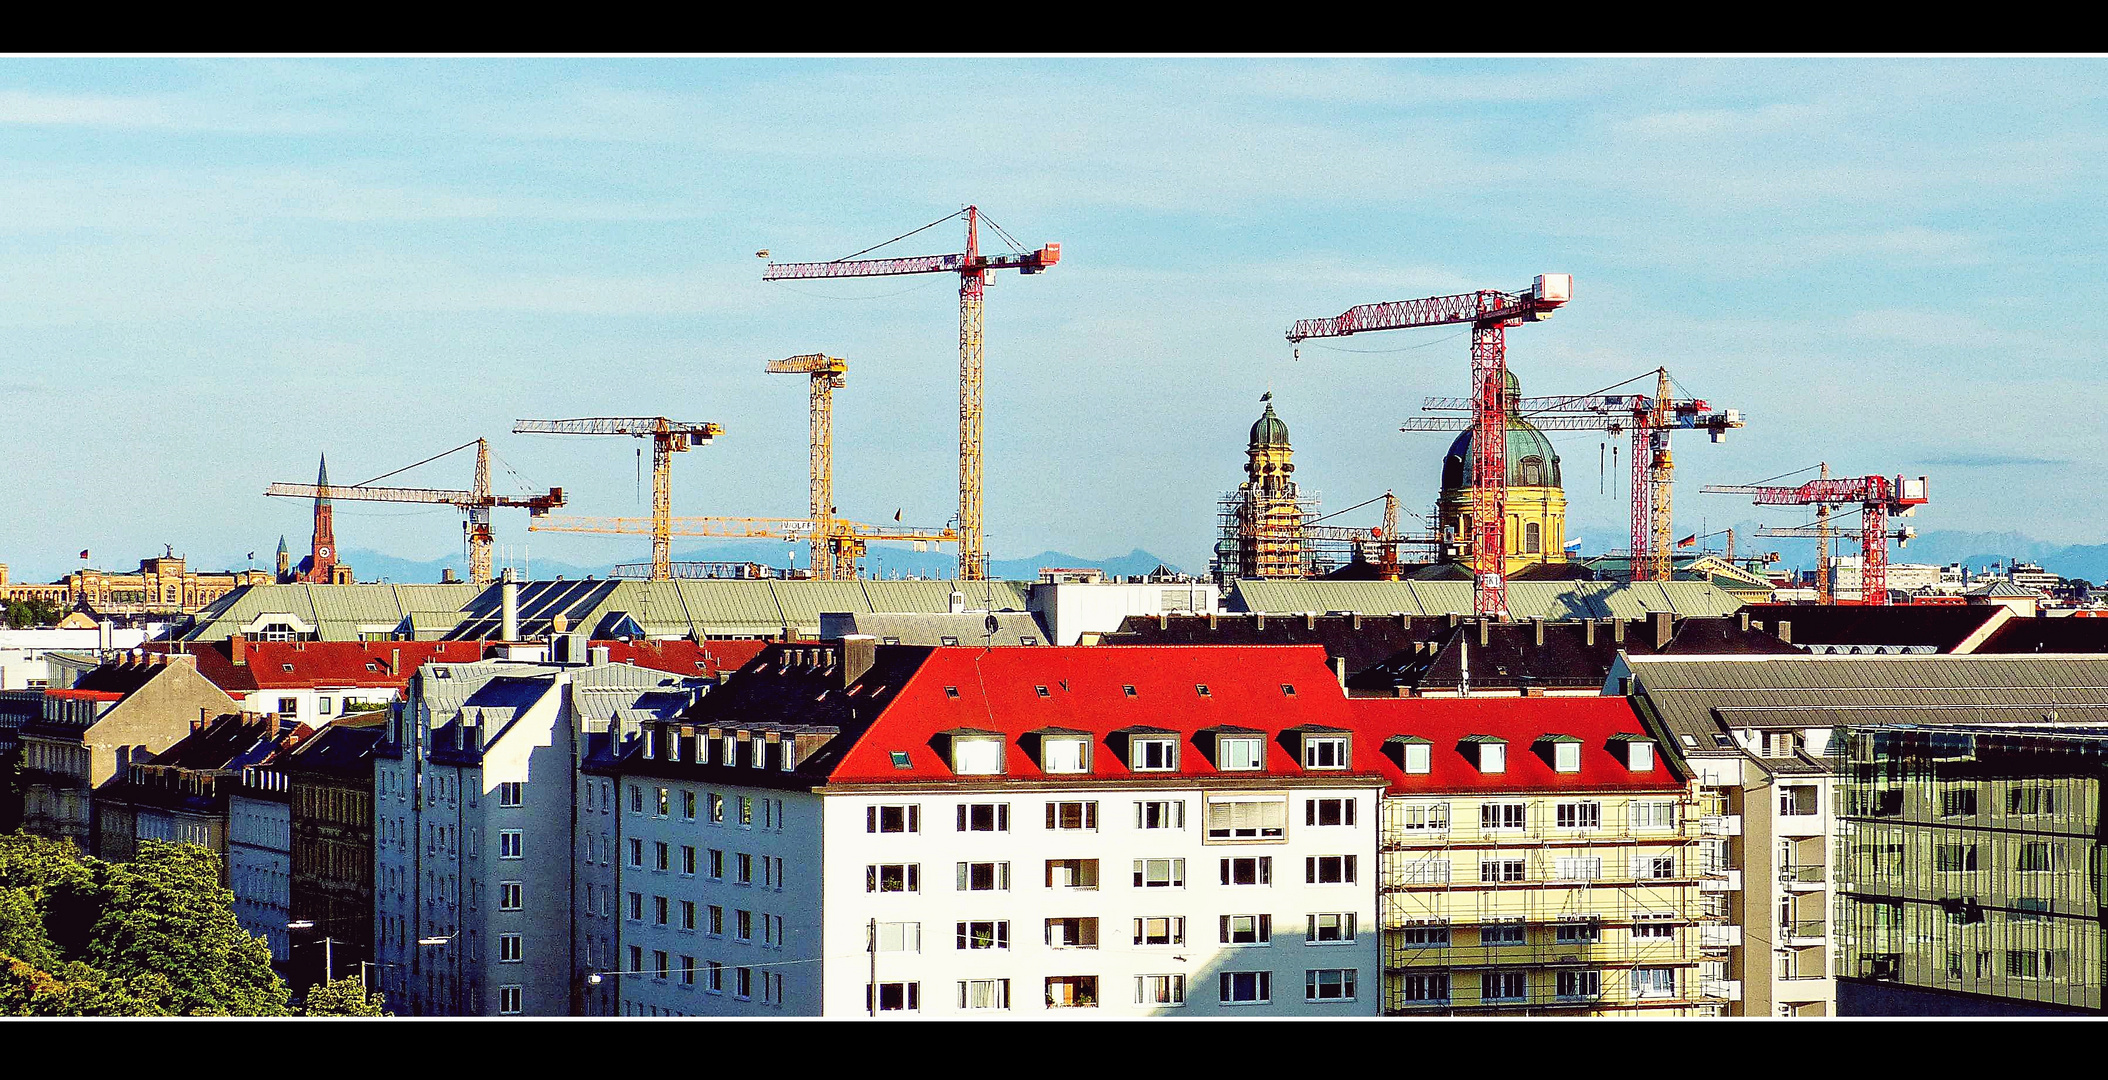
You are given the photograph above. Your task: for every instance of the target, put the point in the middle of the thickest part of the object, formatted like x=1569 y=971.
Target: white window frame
x=977 y=756
x=1327 y=752
x=1240 y=753
x=1140 y=747
x=1065 y=755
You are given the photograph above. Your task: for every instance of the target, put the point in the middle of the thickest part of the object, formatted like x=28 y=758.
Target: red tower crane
x=1877 y=496
x=976 y=271
x=1650 y=419
x=1490 y=312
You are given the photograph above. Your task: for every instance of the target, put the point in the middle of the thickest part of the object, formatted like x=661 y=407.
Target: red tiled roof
x=323 y=663
x=84 y=695
x=1520 y=721
x=683 y=657
x=998 y=691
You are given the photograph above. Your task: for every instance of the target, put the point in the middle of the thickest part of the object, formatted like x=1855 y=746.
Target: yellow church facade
x=1536 y=527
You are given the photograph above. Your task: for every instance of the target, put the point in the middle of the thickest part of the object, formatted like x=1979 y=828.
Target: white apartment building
x=475 y=814
x=847 y=829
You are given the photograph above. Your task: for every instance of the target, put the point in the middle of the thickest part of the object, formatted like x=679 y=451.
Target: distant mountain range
x=886 y=562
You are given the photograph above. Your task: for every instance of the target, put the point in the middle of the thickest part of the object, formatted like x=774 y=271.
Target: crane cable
x=902 y=236
x=407 y=468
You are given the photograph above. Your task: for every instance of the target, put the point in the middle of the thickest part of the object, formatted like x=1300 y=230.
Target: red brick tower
x=322 y=562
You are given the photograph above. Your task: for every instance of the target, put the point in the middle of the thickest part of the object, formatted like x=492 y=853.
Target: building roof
x=296 y=665
x=1919 y=627
x=1269 y=430
x=702 y=609
x=338 y=612
x=2045 y=634
x=1704 y=697
x=1526 y=599
x=711 y=658
x=933 y=628
x=1602 y=725
x=343 y=748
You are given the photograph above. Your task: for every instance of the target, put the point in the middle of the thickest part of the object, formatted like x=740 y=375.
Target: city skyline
x=226 y=268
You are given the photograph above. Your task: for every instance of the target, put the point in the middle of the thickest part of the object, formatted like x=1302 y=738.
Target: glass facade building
x=1968 y=869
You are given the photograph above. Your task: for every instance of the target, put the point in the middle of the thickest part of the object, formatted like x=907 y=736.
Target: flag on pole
x=84 y=553
x=1574 y=546
x=1687 y=541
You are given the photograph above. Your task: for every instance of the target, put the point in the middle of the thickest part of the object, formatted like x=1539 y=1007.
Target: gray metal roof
x=1526 y=599
x=338 y=612
x=1702 y=696
x=968 y=627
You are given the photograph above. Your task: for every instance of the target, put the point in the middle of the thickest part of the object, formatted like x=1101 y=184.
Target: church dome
x=1269 y=430
x=1531 y=460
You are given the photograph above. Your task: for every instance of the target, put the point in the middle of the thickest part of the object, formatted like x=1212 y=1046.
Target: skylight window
x=1288 y=690
x=1042 y=691
x=1201 y=689
x=1128 y=690
x=951 y=692
x=900 y=759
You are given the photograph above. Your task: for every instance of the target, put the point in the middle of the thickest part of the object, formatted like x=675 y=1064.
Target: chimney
x=1785 y=631
x=1745 y=619
x=600 y=656
x=1617 y=631
x=238 y=647
x=1485 y=631
x=448 y=577
x=1661 y=629
x=395 y=661
x=1537 y=630
x=1259 y=621
x=1339 y=668
x=1310 y=620
x=1355 y=620
x=1163 y=621
x=859 y=652
x=1211 y=620
x=103 y=627
x=509 y=600
x=1588 y=632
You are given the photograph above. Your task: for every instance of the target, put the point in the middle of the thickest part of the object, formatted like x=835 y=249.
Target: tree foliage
x=152 y=937
x=345 y=997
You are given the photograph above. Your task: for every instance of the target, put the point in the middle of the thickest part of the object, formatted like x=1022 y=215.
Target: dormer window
x=1065 y=754
x=977 y=756
x=1325 y=751
x=1419 y=757
x=1153 y=753
x=1288 y=690
x=1566 y=757
x=1240 y=753
x=1639 y=756
x=1491 y=753
x=947 y=640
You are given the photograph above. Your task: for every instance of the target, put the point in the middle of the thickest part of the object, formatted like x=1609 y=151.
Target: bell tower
x=1270 y=520
x=322 y=560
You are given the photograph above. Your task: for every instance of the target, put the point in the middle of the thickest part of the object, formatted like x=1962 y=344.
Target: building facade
x=164 y=585
x=330 y=855
x=1536 y=528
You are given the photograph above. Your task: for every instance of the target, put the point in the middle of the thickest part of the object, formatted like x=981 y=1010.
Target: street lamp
x=329 y=952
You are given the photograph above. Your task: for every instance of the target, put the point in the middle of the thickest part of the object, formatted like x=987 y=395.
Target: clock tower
x=322 y=561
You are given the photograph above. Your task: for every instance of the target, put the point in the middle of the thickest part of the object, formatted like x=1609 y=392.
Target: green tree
x=345 y=997
x=166 y=914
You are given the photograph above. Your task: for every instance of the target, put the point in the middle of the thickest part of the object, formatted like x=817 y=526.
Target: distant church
x=320 y=567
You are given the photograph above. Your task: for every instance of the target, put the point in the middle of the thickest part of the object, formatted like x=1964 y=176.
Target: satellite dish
x=991 y=624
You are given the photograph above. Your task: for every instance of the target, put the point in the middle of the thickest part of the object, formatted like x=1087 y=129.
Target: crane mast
x=1879 y=497
x=1490 y=312
x=667 y=437
x=826 y=377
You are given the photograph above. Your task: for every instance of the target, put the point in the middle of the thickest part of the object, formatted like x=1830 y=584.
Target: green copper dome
x=1269 y=431
x=1531 y=460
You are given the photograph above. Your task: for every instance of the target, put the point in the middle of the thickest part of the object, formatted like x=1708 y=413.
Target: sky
x=217 y=269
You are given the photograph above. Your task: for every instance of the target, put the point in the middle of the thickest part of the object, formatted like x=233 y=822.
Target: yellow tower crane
x=667 y=437
x=828 y=561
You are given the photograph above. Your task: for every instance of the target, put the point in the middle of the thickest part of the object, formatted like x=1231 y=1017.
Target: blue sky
x=216 y=269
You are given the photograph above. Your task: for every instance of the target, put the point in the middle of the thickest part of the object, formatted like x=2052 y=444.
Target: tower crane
x=667 y=439
x=842 y=542
x=1878 y=498
x=976 y=272
x=477 y=502
x=1650 y=419
x=1386 y=539
x=826 y=377
x=1490 y=312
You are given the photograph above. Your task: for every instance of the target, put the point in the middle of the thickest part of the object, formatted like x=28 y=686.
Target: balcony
x=1802 y=932
x=1422 y=958
x=1720 y=825
x=1803 y=876
x=1721 y=881
x=1798 y=825
x=1719 y=937
x=1721 y=989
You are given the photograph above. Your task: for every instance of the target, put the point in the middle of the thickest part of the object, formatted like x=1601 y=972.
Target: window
x=288 y=706
x=1506 y=932
x=687 y=861
x=636 y=853
x=742 y=925
x=660 y=802
x=1259 y=871
x=746 y=811
x=1655 y=867
x=688 y=915
x=1072 y=992
x=717 y=864
x=1247 y=987
x=1426 y=989
x=1328 y=811
x=893 y=996
x=1239 y=753
x=1503 y=815
x=1577 y=933
x=1160 y=815
x=1955 y=858
x=659 y=966
x=687 y=971
x=509 y=843
x=1247 y=929
x=508 y=1001
x=1653 y=815
x=1329 y=984
x=1072 y=815
x=893 y=878
x=1418 y=757
x=508 y=948
x=1160 y=930
x=1653 y=982
x=1500 y=870
x=1798 y=801
x=688 y=804
x=1504 y=986
x=1153 y=754
x=511 y=793
x=984 y=817
x=1580 y=984
x=1653 y=930
x=1424 y=815
x=900 y=937
x=659 y=908
x=1072 y=933
x=509 y=896
x=1425 y=936
x=1639 y=755
x=893 y=819
x=1329 y=870
x=1247 y=817
x=984 y=994
x=1330 y=928
x=993 y=934
x=1578 y=815
x=1580 y=868
x=1325 y=752
x=1493 y=757
x=984 y=877
x=716 y=804
x=1160 y=873
x=2037 y=857
x=661 y=856
x=745 y=865
x=1064 y=755
x=1160 y=989
x=977 y=757
x=1072 y=873
x=1958 y=803
x=1532 y=531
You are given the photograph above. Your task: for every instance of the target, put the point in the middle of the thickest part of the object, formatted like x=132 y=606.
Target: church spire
x=322 y=561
